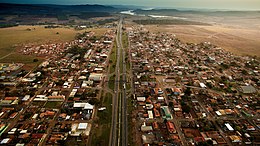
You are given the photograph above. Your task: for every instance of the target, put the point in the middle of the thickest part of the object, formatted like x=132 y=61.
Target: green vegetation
x=7 y=25
x=38 y=103
x=111 y=82
x=105 y=21
x=125 y=40
x=112 y=67
x=62 y=17
x=77 y=50
x=87 y=15
x=53 y=104
x=73 y=141
x=19 y=58
x=130 y=108
x=102 y=132
x=112 y=61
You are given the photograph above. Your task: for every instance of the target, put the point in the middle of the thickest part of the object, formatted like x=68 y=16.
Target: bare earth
x=238 y=40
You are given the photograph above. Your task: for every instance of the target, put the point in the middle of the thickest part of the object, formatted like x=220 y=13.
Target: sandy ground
x=238 y=40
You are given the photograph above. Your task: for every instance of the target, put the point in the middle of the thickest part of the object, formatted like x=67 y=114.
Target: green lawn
x=25 y=59
x=53 y=104
x=102 y=133
x=112 y=59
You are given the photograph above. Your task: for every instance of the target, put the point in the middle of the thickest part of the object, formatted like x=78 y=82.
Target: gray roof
x=248 y=89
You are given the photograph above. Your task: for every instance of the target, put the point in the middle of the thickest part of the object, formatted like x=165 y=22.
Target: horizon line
x=178 y=8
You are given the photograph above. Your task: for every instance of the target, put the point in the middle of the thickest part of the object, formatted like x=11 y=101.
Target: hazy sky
x=210 y=4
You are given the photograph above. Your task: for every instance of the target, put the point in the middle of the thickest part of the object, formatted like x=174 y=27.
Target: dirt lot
x=239 y=40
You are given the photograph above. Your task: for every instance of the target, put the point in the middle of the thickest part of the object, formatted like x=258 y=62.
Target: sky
x=208 y=4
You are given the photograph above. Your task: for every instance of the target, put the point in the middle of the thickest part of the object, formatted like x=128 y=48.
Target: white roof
x=150 y=114
x=218 y=113
x=176 y=109
x=5 y=140
x=82 y=126
x=26 y=97
x=229 y=127
x=79 y=105
x=23 y=131
x=83 y=105
x=41 y=96
x=140 y=98
x=160 y=98
x=88 y=106
x=202 y=85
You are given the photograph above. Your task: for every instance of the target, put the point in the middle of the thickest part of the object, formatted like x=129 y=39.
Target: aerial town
x=56 y=101
x=177 y=93
x=192 y=94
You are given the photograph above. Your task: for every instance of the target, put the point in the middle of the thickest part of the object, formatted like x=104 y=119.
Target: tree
x=94 y=101
x=186 y=108
x=35 y=60
x=171 y=104
x=244 y=72
x=187 y=91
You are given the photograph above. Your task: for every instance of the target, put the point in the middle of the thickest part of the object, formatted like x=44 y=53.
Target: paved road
x=114 y=133
x=124 y=126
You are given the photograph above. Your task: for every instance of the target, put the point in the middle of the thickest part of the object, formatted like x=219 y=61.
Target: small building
x=150 y=114
x=229 y=127
x=56 y=98
x=95 y=77
x=85 y=106
x=80 y=128
x=202 y=85
x=40 y=98
x=170 y=127
x=235 y=138
x=145 y=128
x=140 y=99
x=248 y=89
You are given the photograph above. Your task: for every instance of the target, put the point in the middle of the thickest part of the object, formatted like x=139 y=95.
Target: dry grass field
x=238 y=40
x=20 y=35
x=10 y=37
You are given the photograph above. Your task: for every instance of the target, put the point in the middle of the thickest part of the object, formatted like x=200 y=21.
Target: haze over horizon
x=198 y=4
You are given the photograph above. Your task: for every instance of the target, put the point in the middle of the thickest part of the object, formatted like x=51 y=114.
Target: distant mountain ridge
x=7 y=8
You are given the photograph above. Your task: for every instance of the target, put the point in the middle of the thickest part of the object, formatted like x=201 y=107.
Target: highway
x=114 y=132
x=124 y=127
x=119 y=128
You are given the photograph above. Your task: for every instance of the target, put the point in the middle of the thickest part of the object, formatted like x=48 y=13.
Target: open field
x=238 y=40
x=9 y=37
x=235 y=31
x=12 y=37
x=19 y=58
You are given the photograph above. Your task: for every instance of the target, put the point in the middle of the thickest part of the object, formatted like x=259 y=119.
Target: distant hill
x=43 y=13
x=52 y=9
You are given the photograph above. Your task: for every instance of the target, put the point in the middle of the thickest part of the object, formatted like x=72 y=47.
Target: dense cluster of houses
x=192 y=94
x=55 y=103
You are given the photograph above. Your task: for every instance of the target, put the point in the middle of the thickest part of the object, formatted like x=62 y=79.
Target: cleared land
x=238 y=40
x=12 y=37
x=9 y=37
